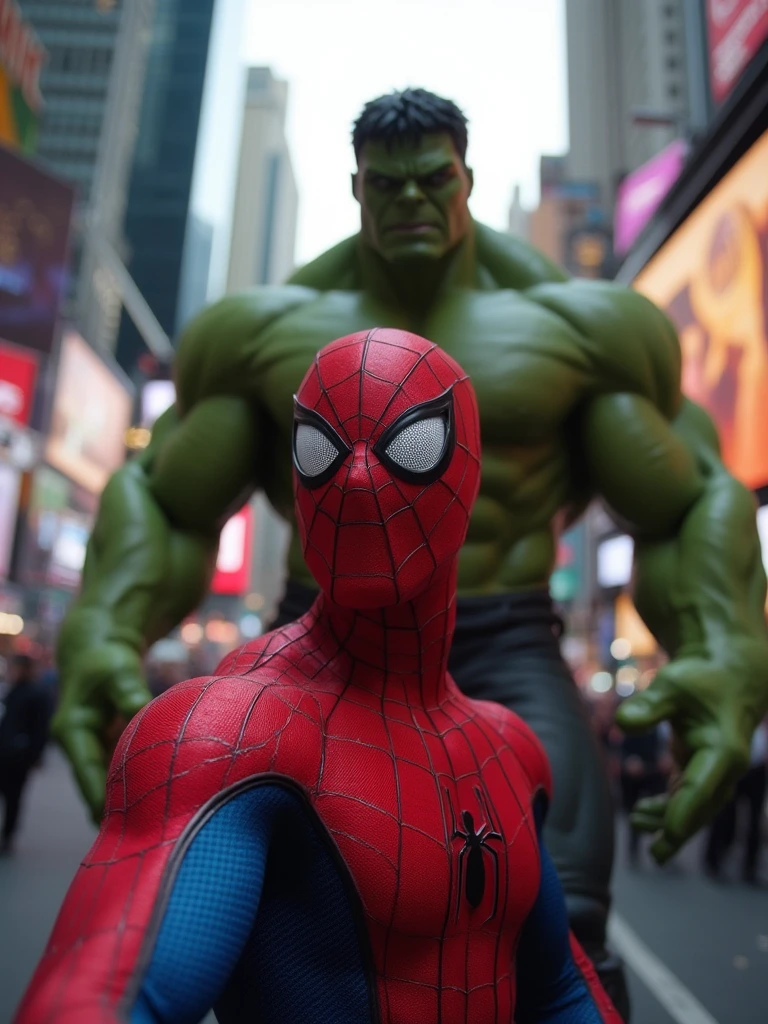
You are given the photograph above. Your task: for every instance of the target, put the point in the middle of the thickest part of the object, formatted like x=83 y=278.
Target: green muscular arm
x=152 y=552
x=700 y=587
x=149 y=563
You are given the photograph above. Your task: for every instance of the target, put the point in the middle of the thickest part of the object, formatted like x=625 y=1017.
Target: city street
x=698 y=951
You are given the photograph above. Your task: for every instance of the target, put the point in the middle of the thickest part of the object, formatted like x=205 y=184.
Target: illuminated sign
x=35 y=211
x=641 y=192
x=91 y=412
x=18 y=372
x=711 y=277
x=22 y=56
x=233 y=564
x=736 y=30
x=614 y=561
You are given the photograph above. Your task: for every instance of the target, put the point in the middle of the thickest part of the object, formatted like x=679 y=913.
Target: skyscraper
x=161 y=176
x=623 y=55
x=92 y=84
x=266 y=199
x=81 y=38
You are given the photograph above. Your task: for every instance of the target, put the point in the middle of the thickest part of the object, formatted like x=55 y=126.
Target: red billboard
x=18 y=373
x=736 y=30
x=233 y=564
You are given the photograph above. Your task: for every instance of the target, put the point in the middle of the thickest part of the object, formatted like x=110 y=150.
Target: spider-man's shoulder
x=524 y=742
x=204 y=735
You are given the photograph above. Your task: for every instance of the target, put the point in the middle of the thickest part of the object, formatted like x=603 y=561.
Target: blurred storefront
x=35 y=215
x=85 y=444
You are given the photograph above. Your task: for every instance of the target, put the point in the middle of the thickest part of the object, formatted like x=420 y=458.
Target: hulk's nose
x=411 y=193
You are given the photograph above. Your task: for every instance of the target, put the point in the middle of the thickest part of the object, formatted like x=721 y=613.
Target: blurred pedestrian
x=643 y=773
x=24 y=717
x=750 y=790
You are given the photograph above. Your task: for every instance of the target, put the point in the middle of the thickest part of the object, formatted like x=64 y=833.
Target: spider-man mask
x=386 y=452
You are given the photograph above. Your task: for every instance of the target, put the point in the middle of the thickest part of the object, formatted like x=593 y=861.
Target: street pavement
x=697 y=951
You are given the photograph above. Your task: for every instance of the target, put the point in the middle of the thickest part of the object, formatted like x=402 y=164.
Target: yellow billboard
x=22 y=56
x=711 y=277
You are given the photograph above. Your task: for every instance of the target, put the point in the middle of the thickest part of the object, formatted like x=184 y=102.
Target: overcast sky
x=502 y=61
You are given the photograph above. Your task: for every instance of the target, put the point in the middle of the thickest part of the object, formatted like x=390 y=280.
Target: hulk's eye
x=314 y=451
x=318 y=451
x=419 y=446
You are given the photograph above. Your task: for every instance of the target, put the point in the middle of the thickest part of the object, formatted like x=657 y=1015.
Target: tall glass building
x=161 y=178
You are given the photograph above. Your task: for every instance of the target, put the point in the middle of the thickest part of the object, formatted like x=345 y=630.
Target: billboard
x=22 y=56
x=735 y=30
x=18 y=373
x=233 y=563
x=35 y=212
x=59 y=519
x=156 y=397
x=711 y=277
x=91 y=413
x=641 y=192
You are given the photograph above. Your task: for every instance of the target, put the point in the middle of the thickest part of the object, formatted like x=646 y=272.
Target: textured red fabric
x=353 y=703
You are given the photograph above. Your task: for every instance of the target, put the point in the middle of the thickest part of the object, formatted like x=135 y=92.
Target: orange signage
x=711 y=277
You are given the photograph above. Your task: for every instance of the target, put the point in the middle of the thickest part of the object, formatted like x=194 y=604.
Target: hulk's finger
x=704 y=787
x=646 y=709
x=127 y=692
x=82 y=744
x=648 y=815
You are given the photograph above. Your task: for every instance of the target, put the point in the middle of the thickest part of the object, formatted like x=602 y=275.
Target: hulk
x=579 y=392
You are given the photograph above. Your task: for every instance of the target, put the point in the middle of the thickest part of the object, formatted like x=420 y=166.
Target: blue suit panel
x=263 y=923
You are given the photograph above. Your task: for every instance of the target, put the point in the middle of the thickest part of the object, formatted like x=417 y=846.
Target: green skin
x=579 y=391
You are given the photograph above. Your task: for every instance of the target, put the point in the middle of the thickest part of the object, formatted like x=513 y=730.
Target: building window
x=673 y=91
x=672 y=63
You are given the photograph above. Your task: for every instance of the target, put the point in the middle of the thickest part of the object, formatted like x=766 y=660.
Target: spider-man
x=328 y=830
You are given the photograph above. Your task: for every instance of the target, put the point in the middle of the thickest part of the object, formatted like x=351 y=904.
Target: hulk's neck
x=415 y=285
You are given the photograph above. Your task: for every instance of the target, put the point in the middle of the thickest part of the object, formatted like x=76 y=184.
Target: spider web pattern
x=356 y=707
x=369 y=537
x=376 y=764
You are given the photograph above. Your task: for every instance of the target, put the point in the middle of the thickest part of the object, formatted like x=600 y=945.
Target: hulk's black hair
x=407 y=116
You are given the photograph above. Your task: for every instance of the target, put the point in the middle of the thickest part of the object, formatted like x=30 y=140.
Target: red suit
x=327 y=829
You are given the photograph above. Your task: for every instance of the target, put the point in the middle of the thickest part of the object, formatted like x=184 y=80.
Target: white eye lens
x=418 y=447
x=314 y=451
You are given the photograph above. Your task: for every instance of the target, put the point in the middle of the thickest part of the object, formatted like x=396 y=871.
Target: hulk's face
x=413 y=198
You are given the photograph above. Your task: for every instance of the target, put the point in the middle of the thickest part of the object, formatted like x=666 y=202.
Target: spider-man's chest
x=433 y=818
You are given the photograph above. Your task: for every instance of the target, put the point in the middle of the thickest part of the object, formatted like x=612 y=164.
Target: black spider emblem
x=472 y=873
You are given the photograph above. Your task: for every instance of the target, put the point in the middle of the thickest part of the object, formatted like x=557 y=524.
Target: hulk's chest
x=525 y=363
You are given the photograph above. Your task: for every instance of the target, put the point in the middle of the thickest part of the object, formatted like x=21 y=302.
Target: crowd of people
x=27 y=701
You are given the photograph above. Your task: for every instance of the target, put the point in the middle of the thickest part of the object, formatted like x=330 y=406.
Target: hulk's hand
x=714 y=705
x=102 y=690
x=142 y=575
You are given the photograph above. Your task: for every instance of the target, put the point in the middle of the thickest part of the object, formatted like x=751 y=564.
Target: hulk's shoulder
x=511 y=262
x=336 y=269
x=216 y=347
x=631 y=344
